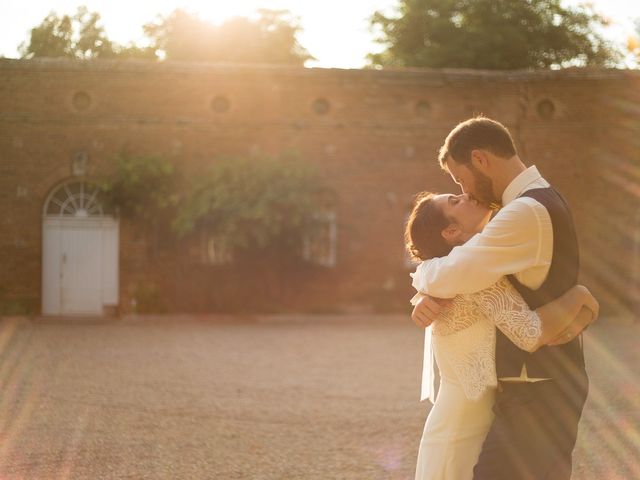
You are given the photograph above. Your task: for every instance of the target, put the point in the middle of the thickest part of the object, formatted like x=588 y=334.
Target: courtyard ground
x=295 y=397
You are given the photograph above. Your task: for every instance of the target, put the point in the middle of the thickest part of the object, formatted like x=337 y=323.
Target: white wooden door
x=80 y=265
x=79 y=254
x=80 y=269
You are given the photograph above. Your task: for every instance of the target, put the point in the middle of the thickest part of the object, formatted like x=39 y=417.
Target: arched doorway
x=79 y=252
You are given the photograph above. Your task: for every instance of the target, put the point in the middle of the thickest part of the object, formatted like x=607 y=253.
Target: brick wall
x=376 y=144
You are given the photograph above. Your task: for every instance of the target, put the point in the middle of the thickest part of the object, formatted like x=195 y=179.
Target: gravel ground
x=273 y=398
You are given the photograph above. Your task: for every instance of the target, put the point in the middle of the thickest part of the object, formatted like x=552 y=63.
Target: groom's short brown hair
x=473 y=134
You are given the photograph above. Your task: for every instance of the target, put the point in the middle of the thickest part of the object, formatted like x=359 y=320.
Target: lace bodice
x=464 y=336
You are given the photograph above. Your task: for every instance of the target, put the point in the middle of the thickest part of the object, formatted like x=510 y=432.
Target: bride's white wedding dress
x=463 y=342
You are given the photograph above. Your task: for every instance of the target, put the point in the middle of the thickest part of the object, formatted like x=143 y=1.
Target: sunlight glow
x=619 y=437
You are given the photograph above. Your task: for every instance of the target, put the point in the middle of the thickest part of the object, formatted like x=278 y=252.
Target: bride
x=463 y=338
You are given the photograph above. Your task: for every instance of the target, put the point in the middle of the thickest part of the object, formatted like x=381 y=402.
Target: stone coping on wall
x=395 y=74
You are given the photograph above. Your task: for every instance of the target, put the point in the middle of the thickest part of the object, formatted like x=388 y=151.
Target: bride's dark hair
x=423 y=232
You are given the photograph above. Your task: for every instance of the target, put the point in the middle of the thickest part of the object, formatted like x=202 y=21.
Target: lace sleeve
x=503 y=305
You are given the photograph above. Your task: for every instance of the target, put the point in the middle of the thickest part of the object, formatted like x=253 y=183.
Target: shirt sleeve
x=511 y=242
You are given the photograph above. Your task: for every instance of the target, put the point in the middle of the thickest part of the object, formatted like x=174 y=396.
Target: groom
x=531 y=240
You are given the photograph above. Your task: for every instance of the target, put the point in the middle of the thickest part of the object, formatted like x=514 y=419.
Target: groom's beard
x=484 y=188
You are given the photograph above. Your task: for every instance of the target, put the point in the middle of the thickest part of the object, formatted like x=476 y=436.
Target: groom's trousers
x=535 y=429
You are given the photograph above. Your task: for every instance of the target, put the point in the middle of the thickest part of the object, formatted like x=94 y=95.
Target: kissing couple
x=503 y=314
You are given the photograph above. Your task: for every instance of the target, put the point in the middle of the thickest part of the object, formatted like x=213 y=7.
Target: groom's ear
x=480 y=160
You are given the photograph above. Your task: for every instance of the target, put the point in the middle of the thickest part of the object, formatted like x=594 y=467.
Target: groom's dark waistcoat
x=547 y=362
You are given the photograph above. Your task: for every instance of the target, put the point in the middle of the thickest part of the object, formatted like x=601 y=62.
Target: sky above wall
x=336 y=32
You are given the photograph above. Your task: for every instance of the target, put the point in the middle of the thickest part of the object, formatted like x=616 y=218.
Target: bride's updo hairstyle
x=423 y=233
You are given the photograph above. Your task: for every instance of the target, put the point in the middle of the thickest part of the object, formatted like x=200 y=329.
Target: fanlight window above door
x=74 y=199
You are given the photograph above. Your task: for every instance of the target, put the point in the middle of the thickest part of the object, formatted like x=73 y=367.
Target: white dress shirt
x=517 y=241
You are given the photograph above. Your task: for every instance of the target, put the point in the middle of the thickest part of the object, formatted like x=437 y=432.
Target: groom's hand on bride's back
x=427 y=309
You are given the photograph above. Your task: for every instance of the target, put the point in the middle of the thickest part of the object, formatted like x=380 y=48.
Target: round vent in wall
x=81 y=101
x=546 y=109
x=220 y=104
x=423 y=108
x=321 y=106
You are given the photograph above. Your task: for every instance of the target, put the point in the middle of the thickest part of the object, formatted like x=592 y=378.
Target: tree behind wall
x=80 y=36
x=491 y=34
x=271 y=38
